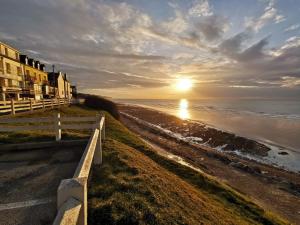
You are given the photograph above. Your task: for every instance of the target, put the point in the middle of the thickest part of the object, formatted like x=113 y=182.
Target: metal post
x=12 y=104
x=57 y=127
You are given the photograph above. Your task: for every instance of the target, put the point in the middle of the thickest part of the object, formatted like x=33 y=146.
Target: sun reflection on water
x=183 y=111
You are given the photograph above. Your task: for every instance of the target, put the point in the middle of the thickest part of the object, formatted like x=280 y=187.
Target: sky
x=140 y=48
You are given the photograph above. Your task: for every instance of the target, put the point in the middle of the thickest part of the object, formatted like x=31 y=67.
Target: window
x=40 y=76
x=19 y=70
x=1 y=64
x=6 y=51
x=17 y=56
x=28 y=72
x=8 y=69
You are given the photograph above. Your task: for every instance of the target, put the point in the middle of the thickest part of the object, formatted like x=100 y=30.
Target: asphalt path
x=29 y=180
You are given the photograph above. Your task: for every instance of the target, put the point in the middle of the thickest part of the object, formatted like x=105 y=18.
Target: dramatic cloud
x=121 y=48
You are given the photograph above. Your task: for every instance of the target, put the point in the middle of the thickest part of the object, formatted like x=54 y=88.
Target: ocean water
x=273 y=122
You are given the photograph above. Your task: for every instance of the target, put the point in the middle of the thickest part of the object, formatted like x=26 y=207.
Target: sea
x=275 y=123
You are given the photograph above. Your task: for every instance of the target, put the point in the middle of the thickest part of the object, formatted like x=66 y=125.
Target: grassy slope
x=137 y=186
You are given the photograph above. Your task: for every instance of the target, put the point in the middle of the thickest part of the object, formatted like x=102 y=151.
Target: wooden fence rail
x=12 y=107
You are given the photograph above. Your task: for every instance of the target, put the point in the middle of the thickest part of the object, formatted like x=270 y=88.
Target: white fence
x=13 y=106
x=72 y=193
x=55 y=123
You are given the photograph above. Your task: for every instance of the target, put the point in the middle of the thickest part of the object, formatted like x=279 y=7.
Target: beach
x=275 y=124
x=271 y=186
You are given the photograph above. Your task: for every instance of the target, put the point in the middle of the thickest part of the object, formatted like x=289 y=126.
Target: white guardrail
x=13 y=106
x=71 y=193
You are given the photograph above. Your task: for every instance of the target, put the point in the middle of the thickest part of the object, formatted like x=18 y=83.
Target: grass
x=137 y=186
x=134 y=185
x=46 y=135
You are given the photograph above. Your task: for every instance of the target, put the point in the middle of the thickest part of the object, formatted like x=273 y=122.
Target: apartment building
x=60 y=81
x=11 y=73
x=35 y=78
x=22 y=77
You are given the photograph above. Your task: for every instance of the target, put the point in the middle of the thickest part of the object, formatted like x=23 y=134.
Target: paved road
x=29 y=181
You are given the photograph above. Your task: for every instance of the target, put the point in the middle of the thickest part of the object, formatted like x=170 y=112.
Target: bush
x=96 y=102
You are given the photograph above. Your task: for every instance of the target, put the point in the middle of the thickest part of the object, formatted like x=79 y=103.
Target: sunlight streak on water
x=183 y=109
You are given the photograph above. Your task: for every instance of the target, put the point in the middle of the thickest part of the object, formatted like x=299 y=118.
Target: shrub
x=101 y=103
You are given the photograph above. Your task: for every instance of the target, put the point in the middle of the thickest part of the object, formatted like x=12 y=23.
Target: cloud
x=213 y=27
x=270 y=14
x=290 y=82
x=200 y=8
x=115 y=45
x=292 y=27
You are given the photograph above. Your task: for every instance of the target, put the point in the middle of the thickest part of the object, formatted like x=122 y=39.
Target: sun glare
x=183 y=111
x=184 y=84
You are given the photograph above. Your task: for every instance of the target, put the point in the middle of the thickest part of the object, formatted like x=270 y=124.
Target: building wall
x=38 y=77
x=11 y=72
x=9 y=52
x=61 y=86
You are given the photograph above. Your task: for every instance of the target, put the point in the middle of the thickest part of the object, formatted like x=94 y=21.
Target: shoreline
x=277 y=131
x=221 y=140
x=271 y=187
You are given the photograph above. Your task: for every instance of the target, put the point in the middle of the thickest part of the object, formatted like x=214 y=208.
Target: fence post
x=31 y=108
x=76 y=188
x=12 y=104
x=103 y=128
x=98 y=152
x=57 y=127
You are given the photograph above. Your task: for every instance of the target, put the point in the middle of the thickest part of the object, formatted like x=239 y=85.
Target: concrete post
x=74 y=188
x=12 y=105
x=57 y=127
x=98 y=151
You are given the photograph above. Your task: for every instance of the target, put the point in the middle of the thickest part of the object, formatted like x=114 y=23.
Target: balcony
x=11 y=76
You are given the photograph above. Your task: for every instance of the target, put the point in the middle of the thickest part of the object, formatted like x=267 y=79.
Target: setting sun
x=184 y=84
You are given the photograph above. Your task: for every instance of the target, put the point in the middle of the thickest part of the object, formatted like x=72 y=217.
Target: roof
x=9 y=46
